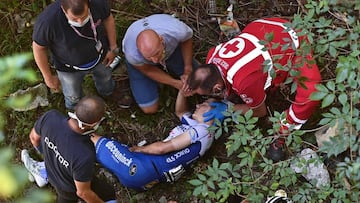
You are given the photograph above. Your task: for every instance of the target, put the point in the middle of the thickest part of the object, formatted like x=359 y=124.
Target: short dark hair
x=90 y=109
x=77 y=7
x=206 y=83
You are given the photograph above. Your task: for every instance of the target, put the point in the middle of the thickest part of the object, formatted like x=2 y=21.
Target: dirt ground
x=130 y=126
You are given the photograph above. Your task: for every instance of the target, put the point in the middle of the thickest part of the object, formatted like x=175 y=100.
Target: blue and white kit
x=141 y=171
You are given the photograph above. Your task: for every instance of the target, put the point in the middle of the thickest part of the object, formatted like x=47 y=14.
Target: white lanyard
x=92 y=27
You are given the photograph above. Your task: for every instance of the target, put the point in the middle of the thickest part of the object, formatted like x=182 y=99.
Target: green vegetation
x=333 y=30
x=14 y=177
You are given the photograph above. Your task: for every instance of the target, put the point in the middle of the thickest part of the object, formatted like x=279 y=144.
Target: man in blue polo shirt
x=80 y=35
x=158 y=49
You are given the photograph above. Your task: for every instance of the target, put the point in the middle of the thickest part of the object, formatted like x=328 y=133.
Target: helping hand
x=53 y=83
x=216 y=112
x=108 y=59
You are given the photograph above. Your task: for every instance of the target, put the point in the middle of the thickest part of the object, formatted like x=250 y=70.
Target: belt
x=87 y=66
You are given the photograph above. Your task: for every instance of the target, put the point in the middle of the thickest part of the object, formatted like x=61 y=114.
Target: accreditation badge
x=98 y=46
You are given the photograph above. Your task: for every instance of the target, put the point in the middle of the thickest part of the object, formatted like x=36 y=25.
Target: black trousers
x=104 y=190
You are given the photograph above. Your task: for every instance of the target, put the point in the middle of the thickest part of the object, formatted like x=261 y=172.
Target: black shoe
x=125 y=101
x=121 y=95
x=276 y=152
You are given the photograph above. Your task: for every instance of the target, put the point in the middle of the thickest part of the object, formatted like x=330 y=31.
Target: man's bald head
x=148 y=42
x=90 y=109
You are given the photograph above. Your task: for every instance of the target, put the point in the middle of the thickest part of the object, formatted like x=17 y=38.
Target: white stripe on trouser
x=290 y=31
x=251 y=56
x=294 y=118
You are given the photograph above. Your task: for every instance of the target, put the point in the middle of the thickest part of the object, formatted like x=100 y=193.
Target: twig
x=253 y=182
x=315 y=129
x=134 y=16
x=313 y=146
x=301 y=6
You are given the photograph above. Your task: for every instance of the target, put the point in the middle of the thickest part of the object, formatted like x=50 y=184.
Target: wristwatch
x=116 y=51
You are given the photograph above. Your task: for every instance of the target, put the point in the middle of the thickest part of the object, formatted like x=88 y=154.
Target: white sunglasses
x=81 y=123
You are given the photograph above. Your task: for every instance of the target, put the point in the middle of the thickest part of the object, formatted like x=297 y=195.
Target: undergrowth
x=235 y=165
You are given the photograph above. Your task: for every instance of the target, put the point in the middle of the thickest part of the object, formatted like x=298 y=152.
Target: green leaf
x=274 y=186
x=342 y=98
x=197 y=191
x=241 y=119
x=336 y=145
x=316 y=96
x=252 y=143
x=329 y=99
x=342 y=75
x=210 y=184
x=248 y=114
x=215 y=163
x=223 y=173
x=340 y=87
x=275 y=45
x=352 y=80
x=243 y=162
x=330 y=85
x=321 y=88
x=262 y=42
x=278 y=66
x=201 y=177
x=269 y=36
x=243 y=155
x=225 y=166
x=298 y=139
x=195 y=182
x=332 y=51
x=218 y=133
x=285 y=47
x=335 y=111
x=293 y=87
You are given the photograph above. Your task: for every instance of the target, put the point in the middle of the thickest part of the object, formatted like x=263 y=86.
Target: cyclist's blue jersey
x=141 y=171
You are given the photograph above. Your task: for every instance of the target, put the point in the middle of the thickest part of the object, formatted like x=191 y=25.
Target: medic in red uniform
x=241 y=61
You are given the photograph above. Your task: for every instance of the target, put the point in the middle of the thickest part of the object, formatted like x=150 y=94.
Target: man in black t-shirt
x=81 y=37
x=68 y=153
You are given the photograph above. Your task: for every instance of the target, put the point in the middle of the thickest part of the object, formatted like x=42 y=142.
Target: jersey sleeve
x=209 y=55
x=187 y=120
x=180 y=129
x=41 y=32
x=198 y=132
x=251 y=89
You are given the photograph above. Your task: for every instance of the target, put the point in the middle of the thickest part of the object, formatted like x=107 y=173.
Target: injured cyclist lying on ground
x=141 y=167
